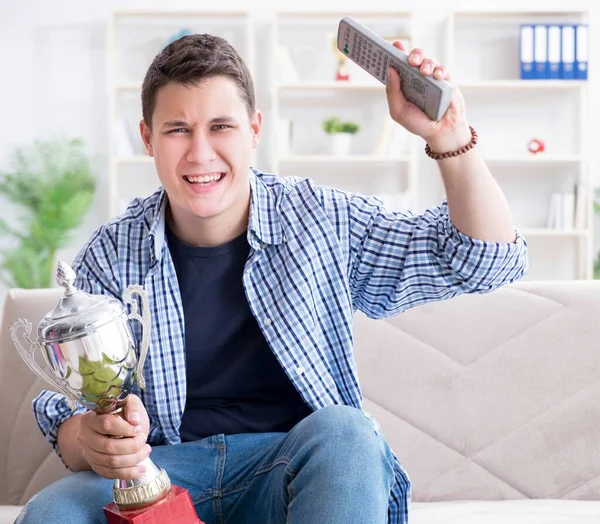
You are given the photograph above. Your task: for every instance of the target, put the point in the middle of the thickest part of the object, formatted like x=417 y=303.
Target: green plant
x=51 y=182
x=335 y=125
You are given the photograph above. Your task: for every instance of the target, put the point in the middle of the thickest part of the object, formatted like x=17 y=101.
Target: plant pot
x=340 y=144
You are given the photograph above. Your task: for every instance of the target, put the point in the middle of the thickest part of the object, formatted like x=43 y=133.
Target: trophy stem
x=144 y=491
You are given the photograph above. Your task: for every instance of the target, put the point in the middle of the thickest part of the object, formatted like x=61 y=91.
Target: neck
x=207 y=232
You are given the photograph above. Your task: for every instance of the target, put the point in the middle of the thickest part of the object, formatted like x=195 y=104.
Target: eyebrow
x=216 y=120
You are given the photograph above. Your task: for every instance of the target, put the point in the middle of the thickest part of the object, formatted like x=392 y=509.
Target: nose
x=201 y=150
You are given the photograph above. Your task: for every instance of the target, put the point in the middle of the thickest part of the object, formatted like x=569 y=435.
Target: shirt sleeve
x=399 y=260
x=94 y=274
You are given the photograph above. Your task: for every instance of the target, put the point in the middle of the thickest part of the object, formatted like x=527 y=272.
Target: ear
x=146 y=137
x=256 y=127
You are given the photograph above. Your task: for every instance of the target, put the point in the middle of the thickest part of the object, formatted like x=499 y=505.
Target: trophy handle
x=29 y=356
x=144 y=319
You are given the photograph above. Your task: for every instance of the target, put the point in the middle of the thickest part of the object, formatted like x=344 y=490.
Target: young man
x=252 y=400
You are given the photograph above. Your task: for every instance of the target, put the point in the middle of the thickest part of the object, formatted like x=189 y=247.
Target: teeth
x=204 y=178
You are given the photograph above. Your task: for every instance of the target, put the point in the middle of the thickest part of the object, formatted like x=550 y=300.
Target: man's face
x=202 y=140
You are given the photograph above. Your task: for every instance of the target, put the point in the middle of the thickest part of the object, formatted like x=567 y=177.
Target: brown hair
x=190 y=60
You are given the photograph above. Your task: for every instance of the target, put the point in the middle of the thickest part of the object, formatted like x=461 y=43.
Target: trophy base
x=175 y=508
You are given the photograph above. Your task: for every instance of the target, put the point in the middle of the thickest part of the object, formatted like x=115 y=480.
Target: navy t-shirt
x=234 y=382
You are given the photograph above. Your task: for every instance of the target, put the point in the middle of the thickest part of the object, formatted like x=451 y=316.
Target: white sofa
x=491 y=401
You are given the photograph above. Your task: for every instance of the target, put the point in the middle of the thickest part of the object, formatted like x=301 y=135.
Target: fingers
x=135 y=413
x=113 y=446
x=399 y=45
x=111 y=425
x=123 y=467
x=441 y=73
x=113 y=457
x=395 y=97
x=427 y=66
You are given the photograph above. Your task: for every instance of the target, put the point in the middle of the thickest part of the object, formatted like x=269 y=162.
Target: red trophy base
x=175 y=508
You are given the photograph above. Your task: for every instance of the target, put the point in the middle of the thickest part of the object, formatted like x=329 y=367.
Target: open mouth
x=204 y=180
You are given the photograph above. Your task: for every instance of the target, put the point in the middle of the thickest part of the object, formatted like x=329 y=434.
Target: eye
x=177 y=130
x=220 y=127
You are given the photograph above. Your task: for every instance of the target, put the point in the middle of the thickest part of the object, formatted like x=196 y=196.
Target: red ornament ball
x=535 y=146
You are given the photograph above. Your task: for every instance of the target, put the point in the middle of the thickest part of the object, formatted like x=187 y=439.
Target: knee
x=340 y=447
x=349 y=434
x=77 y=498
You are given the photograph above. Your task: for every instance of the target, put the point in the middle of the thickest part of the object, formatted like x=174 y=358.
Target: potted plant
x=596 y=203
x=52 y=184
x=340 y=134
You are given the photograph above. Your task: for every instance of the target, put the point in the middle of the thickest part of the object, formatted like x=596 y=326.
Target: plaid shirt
x=317 y=255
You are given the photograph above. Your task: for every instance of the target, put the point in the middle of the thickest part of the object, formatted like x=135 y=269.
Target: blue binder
x=581 y=52
x=526 y=52
x=554 y=51
x=567 y=70
x=540 y=51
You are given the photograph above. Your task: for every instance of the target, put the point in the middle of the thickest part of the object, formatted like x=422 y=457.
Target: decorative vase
x=340 y=144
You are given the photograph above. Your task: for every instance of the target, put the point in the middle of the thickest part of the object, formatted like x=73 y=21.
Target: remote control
x=374 y=55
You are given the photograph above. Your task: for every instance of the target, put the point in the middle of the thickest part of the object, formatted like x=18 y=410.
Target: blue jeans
x=332 y=467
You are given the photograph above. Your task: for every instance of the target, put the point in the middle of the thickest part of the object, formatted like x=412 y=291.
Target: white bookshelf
x=310 y=93
x=482 y=55
x=134 y=37
x=480 y=51
x=491 y=85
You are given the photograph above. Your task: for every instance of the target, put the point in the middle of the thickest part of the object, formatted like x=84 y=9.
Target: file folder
x=581 y=52
x=540 y=47
x=568 y=52
x=526 y=52
x=554 y=45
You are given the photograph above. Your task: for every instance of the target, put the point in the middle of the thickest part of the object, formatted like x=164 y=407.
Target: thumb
x=135 y=413
x=395 y=97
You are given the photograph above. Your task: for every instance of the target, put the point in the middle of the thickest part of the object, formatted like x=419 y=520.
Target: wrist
x=450 y=140
x=68 y=444
x=457 y=151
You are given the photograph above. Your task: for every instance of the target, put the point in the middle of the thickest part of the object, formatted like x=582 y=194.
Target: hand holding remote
x=447 y=134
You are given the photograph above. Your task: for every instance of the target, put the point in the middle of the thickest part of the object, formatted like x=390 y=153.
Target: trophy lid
x=78 y=313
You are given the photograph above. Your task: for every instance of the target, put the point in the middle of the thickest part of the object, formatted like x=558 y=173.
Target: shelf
x=332 y=86
x=526 y=11
x=522 y=84
x=128 y=86
x=139 y=159
x=354 y=159
x=162 y=13
x=532 y=160
x=547 y=232
x=349 y=86
x=329 y=14
x=377 y=159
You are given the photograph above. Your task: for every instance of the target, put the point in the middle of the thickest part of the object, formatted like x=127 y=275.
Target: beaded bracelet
x=463 y=149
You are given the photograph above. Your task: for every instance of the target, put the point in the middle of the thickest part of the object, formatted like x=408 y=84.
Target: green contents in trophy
x=101 y=379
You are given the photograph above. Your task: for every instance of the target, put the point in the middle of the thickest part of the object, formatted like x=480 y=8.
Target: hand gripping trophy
x=89 y=348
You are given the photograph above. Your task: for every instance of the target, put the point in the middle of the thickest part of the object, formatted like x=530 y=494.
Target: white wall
x=53 y=67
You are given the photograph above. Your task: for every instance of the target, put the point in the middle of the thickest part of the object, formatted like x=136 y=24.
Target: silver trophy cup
x=89 y=348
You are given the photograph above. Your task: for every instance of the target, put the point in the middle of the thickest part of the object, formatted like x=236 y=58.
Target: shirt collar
x=264 y=222
x=264 y=225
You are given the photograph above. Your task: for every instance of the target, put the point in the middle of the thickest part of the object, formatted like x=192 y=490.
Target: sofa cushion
x=8 y=514
x=508 y=511
x=491 y=397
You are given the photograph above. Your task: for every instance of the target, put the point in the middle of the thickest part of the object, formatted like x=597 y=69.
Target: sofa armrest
x=27 y=461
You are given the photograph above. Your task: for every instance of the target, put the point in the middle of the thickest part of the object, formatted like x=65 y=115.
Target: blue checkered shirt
x=317 y=255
